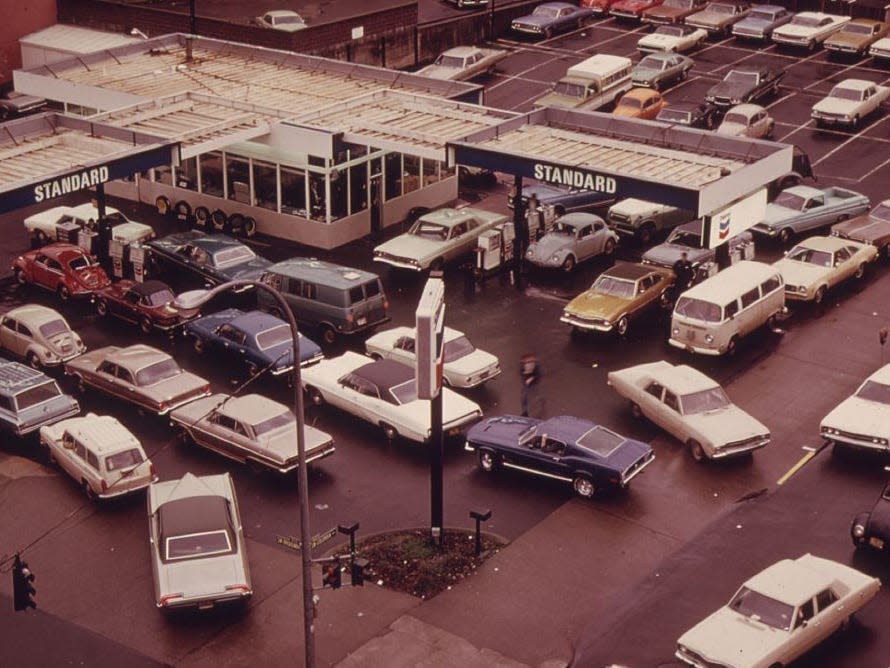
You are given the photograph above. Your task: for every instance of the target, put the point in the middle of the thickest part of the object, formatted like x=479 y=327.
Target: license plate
x=362 y=321
x=876 y=542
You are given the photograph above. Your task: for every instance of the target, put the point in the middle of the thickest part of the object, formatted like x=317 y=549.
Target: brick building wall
x=20 y=19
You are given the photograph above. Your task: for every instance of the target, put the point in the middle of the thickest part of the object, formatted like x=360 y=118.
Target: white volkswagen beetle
x=39 y=335
x=747 y=120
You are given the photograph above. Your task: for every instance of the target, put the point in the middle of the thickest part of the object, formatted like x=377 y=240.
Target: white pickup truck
x=849 y=102
x=642 y=219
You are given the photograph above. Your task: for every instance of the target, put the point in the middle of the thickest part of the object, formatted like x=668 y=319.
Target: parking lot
x=788 y=379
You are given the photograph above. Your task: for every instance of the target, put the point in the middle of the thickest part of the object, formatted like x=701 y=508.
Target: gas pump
x=116 y=249
x=138 y=257
x=87 y=239
x=494 y=249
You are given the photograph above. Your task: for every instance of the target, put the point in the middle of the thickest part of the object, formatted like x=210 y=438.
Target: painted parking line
x=811 y=453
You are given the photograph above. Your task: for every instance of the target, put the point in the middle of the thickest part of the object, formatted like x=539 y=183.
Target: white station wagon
x=39 y=335
x=100 y=454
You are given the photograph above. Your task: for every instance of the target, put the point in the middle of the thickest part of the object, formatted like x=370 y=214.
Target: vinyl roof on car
x=385 y=373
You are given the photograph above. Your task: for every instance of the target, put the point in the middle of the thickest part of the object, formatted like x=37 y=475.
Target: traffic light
x=22 y=577
x=330 y=574
x=358 y=571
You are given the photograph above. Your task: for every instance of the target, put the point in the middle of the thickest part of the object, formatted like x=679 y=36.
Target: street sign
x=317 y=539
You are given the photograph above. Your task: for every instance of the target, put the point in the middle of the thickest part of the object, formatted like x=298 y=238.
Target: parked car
x=861 y=420
x=745 y=84
x=15 y=104
x=642 y=220
x=562 y=200
x=463 y=364
x=255 y=341
x=138 y=374
x=621 y=293
x=463 y=62
x=62 y=223
x=100 y=454
x=65 y=269
x=599 y=7
x=472 y=4
x=640 y=103
x=803 y=208
x=817 y=264
x=873 y=228
x=779 y=614
x=285 y=20
x=660 y=70
x=148 y=305
x=437 y=237
x=687 y=239
x=39 y=335
x=196 y=539
x=672 y=38
x=808 y=29
x=849 y=102
x=29 y=399
x=589 y=456
x=690 y=114
x=632 y=9
x=747 y=120
x=384 y=393
x=760 y=22
x=250 y=429
x=551 y=18
x=872 y=528
x=856 y=36
x=719 y=16
x=880 y=50
x=212 y=258
x=672 y=11
x=691 y=407
x=573 y=238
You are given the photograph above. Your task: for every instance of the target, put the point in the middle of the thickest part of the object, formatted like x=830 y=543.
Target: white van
x=712 y=316
x=591 y=84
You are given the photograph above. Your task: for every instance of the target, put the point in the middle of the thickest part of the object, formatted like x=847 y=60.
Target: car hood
x=645 y=73
x=172 y=388
x=533 y=20
x=412 y=246
x=725 y=89
x=846 y=38
x=666 y=254
x=707 y=18
x=800 y=273
x=593 y=304
x=500 y=430
x=835 y=105
x=860 y=416
x=440 y=72
x=656 y=40
x=549 y=244
x=726 y=637
x=475 y=361
x=196 y=578
x=732 y=129
x=791 y=30
x=756 y=24
x=726 y=425
x=253 y=268
x=776 y=213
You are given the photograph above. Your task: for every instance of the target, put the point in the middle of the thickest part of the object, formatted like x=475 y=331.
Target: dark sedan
x=566 y=448
x=255 y=339
x=745 y=84
x=563 y=200
x=214 y=258
x=551 y=18
x=690 y=114
x=148 y=304
x=872 y=529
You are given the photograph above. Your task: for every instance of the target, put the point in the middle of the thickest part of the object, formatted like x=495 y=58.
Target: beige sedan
x=817 y=264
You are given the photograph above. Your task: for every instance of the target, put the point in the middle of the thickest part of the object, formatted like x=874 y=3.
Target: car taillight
x=162 y=406
x=104 y=485
x=206 y=389
x=243 y=588
x=165 y=600
x=350 y=318
x=151 y=470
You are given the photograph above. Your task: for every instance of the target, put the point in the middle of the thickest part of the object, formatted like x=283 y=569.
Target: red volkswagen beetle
x=65 y=269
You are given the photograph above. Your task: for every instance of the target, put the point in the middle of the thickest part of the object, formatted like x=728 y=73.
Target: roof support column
x=520 y=227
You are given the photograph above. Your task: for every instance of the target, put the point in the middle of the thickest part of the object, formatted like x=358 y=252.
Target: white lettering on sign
x=566 y=176
x=88 y=178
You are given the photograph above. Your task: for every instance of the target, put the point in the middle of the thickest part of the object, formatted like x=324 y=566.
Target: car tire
x=328 y=334
x=487 y=460
x=636 y=411
x=732 y=346
x=390 y=432
x=785 y=235
x=162 y=204
x=859 y=274
x=198 y=345
x=696 y=450
x=856 y=120
x=183 y=211
x=559 y=210
x=41 y=238
x=218 y=220
x=33 y=361
x=569 y=263
x=90 y=494
x=609 y=247
x=583 y=486
x=811 y=45
x=145 y=325
x=182 y=436
x=314 y=396
x=63 y=292
x=819 y=295
x=375 y=356
x=102 y=307
x=202 y=217
x=684 y=74
x=235 y=223
x=621 y=326
x=249 y=227
x=647 y=231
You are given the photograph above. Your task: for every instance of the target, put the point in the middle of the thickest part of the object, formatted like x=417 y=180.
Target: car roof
x=136 y=356
x=768 y=8
x=639 y=93
x=660 y=55
x=830 y=244
x=882 y=375
x=102 y=433
x=15 y=376
x=565 y=428
x=310 y=269
x=632 y=270
x=557 y=5
x=281 y=12
x=461 y=51
x=789 y=581
x=855 y=84
x=864 y=22
x=61 y=251
x=252 y=408
x=254 y=322
x=804 y=191
x=35 y=314
x=681 y=378
x=448 y=216
x=385 y=373
x=730 y=282
x=193 y=514
x=579 y=218
x=747 y=109
x=88 y=209
x=148 y=287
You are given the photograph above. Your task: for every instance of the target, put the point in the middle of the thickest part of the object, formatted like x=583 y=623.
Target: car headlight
x=735 y=100
x=709 y=97
x=675 y=331
x=556 y=257
x=858 y=530
x=802 y=289
x=530 y=252
x=709 y=338
x=51 y=356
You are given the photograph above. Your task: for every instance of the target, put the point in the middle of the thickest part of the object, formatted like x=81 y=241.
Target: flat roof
x=76 y=39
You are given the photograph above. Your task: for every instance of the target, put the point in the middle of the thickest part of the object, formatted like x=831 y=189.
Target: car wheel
x=389 y=431
x=315 y=397
x=664 y=299
x=218 y=220
x=41 y=238
x=102 y=307
x=856 y=121
x=183 y=212
x=488 y=461
x=182 y=436
x=255 y=467
x=819 y=295
x=621 y=326
x=145 y=325
x=236 y=223
x=63 y=292
x=569 y=263
x=91 y=495
x=698 y=453
x=609 y=247
x=647 y=231
x=635 y=410
x=249 y=227
x=860 y=272
x=559 y=210
x=583 y=486
x=811 y=45
x=48 y=455
x=375 y=356
x=785 y=235
x=548 y=33
x=33 y=361
x=202 y=216
x=684 y=74
x=162 y=204
x=328 y=334
x=198 y=345
x=732 y=345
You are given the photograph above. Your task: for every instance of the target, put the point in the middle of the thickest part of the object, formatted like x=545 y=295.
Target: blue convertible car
x=567 y=448
x=551 y=18
x=255 y=339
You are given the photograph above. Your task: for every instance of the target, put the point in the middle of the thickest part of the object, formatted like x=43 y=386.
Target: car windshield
x=874 y=391
x=274 y=337
x=686 y=238
x=857 y=29
x=732 y=117
x=457 y=348
x=550 y=12
x=54 y=327
x=116 y=218
x=764 y=609
x=286 y=20
x=703 y=401
x=123 y=460
x=37 y=395
x=81 y=262
x=674 y=116
x=805 y=21
x=810 y=256
x=234 y=255
x=195 y=545
x=672 y=31
x=155 y=373
x=749 y=78
x=284 y=419
x=652 y=63
x=613 y=287
x=720 y=9
x=790 y=201
x=846 y=93
x=761 y=15
x=404 y=393
x=881 y=212
x=450 y=61
x=601 y=441
x=569 y=89
x=161 y=297
x=679 y=4
x=427 y=230
x=698 y=309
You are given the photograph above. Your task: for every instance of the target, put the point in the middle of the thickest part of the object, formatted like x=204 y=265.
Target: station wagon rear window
x=193 y=546
x=601 y=441
x=53 y=327
x=698 y=309
x=37 y=395
x=874 y=391
x=157 y=372
x=274 y=337
x=123 y=460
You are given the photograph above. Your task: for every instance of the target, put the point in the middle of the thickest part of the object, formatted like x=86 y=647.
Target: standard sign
x=295 y=543
x=578 y=179
x=88 y=178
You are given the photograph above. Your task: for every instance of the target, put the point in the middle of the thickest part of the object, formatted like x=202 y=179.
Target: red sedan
x=632 y=9
x=65 y=269
x=598 y=6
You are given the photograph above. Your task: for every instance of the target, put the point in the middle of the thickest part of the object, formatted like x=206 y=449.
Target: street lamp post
x=198 y=298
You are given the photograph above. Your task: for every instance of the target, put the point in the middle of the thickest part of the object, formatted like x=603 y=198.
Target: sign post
x=430 y=326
